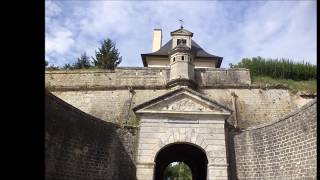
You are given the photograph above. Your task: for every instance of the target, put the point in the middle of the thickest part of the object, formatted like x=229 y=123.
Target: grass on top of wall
x=295 y=86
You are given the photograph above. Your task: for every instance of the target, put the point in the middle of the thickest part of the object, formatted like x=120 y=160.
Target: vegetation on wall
x=52 y=67
x=298 y=76
x=83 y=62
x=309 y=86
x=278 y=68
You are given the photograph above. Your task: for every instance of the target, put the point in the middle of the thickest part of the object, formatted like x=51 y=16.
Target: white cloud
x=228 y=29
x=280 y=30
x=60 y=42
x=52 y=9
x=59 y=38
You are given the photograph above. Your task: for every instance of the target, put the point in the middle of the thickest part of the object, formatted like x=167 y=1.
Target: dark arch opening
x=191 y=155
x=178 y=170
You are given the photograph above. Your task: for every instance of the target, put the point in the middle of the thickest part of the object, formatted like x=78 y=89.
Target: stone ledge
x=243 y=86
x=221 y=69
x=101 y=88
x=88 y=71
x=140 y=87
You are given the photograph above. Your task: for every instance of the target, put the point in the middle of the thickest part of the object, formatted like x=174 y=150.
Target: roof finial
x=181 y=23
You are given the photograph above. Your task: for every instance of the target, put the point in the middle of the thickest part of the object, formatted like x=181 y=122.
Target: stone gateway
x=182 y=118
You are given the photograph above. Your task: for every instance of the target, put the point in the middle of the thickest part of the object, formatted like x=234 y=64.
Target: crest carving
x=181 y=104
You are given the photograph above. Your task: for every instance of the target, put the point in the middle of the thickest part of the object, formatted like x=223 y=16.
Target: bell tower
x=181 y=59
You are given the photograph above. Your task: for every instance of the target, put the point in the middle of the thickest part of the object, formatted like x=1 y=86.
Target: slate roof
x=195 y=49
x=179 y=47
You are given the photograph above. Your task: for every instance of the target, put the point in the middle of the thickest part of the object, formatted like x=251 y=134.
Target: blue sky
x=231 y=29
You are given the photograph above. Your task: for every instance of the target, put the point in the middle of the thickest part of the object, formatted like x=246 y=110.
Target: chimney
x=157 y=40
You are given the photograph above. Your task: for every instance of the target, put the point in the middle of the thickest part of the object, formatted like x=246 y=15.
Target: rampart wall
x=79 y=146
x=106 y=94
x=138 y=77
x=284 y=149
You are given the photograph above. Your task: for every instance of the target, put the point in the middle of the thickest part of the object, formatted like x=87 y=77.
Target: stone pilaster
x=145 y=171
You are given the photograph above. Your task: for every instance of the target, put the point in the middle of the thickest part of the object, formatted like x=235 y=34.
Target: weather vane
x=181 y=23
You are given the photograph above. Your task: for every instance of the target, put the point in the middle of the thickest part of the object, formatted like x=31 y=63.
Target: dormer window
x=183 y=41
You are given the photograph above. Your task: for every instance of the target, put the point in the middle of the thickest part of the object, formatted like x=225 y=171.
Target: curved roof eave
x=195 y=48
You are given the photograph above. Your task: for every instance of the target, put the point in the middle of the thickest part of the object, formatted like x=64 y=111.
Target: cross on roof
x=181 y=23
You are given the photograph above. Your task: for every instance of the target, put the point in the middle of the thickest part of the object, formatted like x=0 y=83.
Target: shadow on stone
x=80 y=146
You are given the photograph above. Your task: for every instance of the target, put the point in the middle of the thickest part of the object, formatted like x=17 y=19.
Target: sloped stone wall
x=254 y=106
x=79 y=146
x=286 y=149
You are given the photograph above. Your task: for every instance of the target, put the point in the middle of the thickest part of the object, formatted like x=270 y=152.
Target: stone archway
x=190 y=154
x=182 y=116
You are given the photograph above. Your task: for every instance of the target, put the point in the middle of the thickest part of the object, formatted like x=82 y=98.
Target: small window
x=174 y=59
x=183 y=41
x=178 y=41
x=182 y=58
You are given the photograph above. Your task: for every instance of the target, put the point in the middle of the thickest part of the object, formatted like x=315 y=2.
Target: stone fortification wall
x=254 y=106
x=109 y=105
x=285 y=149
x=79 y=146
x=105 y=94
x=216 y=77
x=138 y=78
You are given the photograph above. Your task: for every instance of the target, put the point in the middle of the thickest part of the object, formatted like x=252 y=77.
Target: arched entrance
x=182 y=115
x=190 y=154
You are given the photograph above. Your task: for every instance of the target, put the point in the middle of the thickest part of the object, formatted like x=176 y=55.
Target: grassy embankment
x=297 y=76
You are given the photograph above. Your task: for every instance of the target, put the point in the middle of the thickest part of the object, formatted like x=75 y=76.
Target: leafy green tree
x=83 y=62
x=178 y=171
x=107 y=56
x=67 y=66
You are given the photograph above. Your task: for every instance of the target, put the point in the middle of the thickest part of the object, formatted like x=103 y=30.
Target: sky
x=230 y=29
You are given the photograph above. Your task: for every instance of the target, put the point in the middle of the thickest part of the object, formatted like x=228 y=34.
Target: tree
x=52 y=67
x=107 y=57
x=46 y=63
x=67 y=66
x=178 y=171
x=82 y=63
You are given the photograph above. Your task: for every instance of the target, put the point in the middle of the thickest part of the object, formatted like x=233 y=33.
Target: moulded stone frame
x=157 y=131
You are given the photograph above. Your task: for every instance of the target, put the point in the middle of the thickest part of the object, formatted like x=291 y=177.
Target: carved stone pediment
x=184 y=101
x=181 y=103
x=182 y=32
